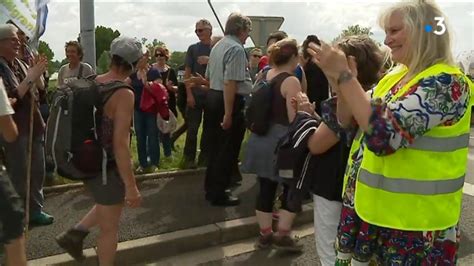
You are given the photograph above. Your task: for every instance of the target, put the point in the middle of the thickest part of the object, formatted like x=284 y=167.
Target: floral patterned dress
x=433 y=101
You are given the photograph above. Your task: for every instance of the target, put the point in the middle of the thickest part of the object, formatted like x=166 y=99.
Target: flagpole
x=42 y=13
x=215 y=15
x=87 y=35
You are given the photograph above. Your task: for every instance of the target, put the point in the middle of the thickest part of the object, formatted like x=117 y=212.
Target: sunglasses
x=256 y=55
x=159 y=55
x=199 y=30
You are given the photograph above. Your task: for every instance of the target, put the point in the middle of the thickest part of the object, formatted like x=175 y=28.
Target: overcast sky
x=173 y=21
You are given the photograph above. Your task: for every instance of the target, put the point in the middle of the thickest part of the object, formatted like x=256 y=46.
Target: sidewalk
x=169 y=205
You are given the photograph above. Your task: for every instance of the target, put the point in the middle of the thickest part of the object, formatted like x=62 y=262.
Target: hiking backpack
x=72 y=141
x=258 y=112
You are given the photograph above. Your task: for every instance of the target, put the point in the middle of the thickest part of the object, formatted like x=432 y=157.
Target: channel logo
x=440 y=26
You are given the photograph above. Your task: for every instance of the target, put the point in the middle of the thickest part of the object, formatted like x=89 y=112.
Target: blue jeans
x=147 y=139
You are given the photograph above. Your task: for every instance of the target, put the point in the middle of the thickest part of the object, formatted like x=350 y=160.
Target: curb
x=167 y=174
x=157 y=247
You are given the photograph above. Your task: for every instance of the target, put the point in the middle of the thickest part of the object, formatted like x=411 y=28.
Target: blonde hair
x=426 y=48
x=388 y=63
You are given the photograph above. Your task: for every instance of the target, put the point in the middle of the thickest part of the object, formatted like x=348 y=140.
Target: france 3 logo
x=440 y=26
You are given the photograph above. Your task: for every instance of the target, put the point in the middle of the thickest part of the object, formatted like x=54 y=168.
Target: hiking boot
x=287 y=243
x=264 y=241
x=41 y=218
x=71 y=241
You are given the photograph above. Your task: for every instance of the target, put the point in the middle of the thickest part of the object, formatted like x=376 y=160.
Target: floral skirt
x=362 y=243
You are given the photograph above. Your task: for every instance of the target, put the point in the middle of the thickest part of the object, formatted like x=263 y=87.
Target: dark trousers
x=193 y=121
x=16 y=156
x=224 y=145
x=12 y=213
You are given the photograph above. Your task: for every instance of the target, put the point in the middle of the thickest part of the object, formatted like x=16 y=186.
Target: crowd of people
x=378 y=136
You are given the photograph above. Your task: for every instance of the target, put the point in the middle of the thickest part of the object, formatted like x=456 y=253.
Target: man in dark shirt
x=196 y=61
x=19 y=82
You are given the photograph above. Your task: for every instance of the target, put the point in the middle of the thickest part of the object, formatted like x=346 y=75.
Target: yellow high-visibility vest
x=419 y=187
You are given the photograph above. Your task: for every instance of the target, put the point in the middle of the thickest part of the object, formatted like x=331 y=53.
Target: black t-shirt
x=318 y=86
x=171 y=74
x=328 y=171
x=194 y=51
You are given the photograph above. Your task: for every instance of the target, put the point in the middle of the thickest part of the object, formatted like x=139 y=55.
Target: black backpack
x=259 y=109
x=72 y=142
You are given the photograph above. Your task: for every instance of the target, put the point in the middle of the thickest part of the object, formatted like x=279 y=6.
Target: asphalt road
x=177 y=203
x=243 y=253
x=169 y=205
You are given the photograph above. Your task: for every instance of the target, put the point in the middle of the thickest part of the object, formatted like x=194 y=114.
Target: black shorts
x=12 y=213
x=112 y=193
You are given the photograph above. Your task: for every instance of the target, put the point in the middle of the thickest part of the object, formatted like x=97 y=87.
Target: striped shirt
x=228 y=61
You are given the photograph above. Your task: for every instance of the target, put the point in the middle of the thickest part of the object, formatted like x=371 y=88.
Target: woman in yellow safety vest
x=402 y=198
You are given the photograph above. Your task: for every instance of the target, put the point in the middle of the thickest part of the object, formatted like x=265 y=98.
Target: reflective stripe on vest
x=427 y=143
x=403 y=185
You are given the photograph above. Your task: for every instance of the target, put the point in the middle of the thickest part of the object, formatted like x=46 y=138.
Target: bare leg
x=285 y=222
x=88 y=221
x=108 y=218
x=15 y=252
x=264 y=219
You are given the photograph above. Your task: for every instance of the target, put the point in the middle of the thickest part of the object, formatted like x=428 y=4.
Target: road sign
x=262 y=27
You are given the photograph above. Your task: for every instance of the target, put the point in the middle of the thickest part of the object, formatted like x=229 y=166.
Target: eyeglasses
x=256 y=55
x=159 y=55
x=11 y=39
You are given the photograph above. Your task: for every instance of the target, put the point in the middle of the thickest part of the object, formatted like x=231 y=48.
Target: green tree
x=55 y=65
x=103 y=38
x=355 y=30
x=176 y=59
x=103 y=62
x=45 y=50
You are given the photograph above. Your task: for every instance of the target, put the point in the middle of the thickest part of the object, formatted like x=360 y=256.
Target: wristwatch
x=344 y=76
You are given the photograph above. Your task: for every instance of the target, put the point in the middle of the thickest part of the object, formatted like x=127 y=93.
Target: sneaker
x=41 y=218
x=287 y=243
x=139 y=170
x=72 y=242
x=264 y=241
x=151 y=169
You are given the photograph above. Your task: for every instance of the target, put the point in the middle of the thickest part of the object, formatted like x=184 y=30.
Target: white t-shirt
x=66 y=74
x=5 y=107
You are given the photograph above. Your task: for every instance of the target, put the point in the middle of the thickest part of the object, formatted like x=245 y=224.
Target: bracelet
x=344 y=76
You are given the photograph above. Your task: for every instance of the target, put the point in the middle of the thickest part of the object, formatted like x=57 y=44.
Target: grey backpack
x=72 y=141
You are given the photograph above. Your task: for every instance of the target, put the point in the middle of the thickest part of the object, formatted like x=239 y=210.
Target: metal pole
x=215 y=15
x=87 y=34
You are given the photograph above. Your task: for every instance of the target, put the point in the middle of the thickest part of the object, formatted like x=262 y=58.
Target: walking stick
x=29 y=161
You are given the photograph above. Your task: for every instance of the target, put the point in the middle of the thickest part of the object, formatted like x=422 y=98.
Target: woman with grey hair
x=405 y=176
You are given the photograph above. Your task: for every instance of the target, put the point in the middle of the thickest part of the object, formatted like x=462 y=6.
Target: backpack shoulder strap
x=106 y=90
x=81 y=69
